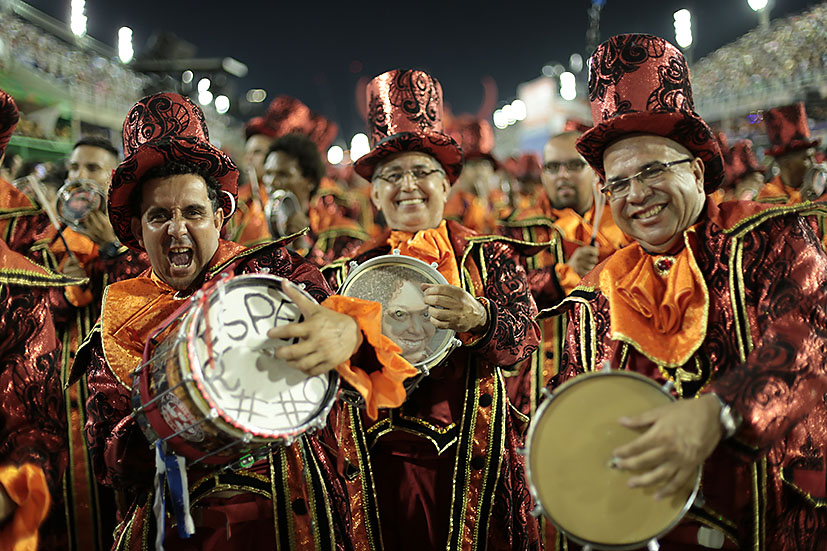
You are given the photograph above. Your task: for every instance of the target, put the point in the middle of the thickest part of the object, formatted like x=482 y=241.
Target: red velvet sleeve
x=785 y=376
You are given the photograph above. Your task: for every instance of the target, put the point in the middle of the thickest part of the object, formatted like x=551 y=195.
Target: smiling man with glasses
x=727 y=302
x=456 y=434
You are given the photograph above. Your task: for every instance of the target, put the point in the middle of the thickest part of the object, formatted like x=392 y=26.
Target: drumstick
x=599 y=205
x=256 y=189
x=37 y=187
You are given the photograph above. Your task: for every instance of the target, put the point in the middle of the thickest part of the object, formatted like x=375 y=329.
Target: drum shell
x=169 y=394
x=70 y=189
x=670 y=511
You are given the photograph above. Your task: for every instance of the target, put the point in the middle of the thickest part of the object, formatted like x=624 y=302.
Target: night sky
x=318 y=50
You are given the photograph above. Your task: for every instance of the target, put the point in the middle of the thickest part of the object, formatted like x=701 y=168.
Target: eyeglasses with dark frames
x=572 y=165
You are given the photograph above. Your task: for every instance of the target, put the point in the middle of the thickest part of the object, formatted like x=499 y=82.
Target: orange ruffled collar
x=431 y=245
x=657 y=303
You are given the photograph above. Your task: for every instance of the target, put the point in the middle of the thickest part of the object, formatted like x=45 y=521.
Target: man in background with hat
x=794 y=154
x=726 y=302
x=744 y=174
x=442 y=471
x=170 y=197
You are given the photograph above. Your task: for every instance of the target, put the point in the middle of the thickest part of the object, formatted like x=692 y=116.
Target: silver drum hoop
x=539 y=465
x=393 y=281
x=76 y=200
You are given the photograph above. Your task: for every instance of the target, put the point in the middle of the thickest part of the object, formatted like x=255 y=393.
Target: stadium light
x=77 y=19
x=256 y=95
x=568 y=86
x=186 y=77
x=683 y=28
x=500 y=120
x=757 y=5
x=762 y=8
x=359 y=146
x=125 y=51
x=204 y=85
x=205 y=97
x=222 y=104
x=335 y=155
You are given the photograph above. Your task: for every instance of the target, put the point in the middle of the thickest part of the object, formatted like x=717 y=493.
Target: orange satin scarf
x=658 y=304
x=431 y=245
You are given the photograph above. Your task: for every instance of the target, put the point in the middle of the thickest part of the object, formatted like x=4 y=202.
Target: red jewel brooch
x=663 y=264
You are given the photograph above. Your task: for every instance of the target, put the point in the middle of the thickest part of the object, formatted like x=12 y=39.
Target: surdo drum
x=569 y=453
x=212 y=389
x=394 y=281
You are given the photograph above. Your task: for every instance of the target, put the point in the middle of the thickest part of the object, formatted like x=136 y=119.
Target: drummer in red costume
x=744 y=174
x=794 y=152
x=170 y=197
x=727 y=302
x=564 y=216
x=33 y=451
x=442 y=471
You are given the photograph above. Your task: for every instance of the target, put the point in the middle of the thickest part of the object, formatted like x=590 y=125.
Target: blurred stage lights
x=186 y=77
x=77 y=19
x=509 y=114
x=335 y=155
x=222 y=104
x=683 y=28
x=125 y=51
x=256 y=95
x=359 y=146
x=757 y=5
x=204 y=85
x=568 y=86
x=205 y=97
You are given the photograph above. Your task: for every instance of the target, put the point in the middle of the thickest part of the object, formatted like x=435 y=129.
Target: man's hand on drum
x=326 y=338
x=98 y=229
x=679 y=438
x=453 y=308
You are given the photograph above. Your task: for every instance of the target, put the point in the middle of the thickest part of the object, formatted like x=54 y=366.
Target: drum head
x=237 y=372
x=394 y=281
x=570 y=445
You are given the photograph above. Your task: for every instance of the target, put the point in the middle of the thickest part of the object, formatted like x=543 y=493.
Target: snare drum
x=213 y=391
x=77 y=200
x=569 y=449
x=814 y=183
x=393 y=281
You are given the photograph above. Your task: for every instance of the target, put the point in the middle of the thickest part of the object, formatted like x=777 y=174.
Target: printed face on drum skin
x=406 y=322
x=282 y=171
x=178 y=228
x=411 y=190
x=654 y=214
x=255 y=151
x=92 y=163
x=567 y=178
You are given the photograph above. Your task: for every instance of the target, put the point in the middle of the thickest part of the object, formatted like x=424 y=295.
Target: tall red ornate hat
x=573 y=125
x=8 y=120
x=639 y=83
x=787 y=129
x=164 y=128
x=285 y=115
x=405 y=114
x=475 y=136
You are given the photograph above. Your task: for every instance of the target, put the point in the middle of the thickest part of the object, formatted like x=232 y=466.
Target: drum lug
x=434 y=265
x=653 y=545
x=521 y=451
x=545 y=392
x=668 y=385
x=352 y=264
x=396 y=252
x=537 y=512
x=587 y=547
x=606 y=366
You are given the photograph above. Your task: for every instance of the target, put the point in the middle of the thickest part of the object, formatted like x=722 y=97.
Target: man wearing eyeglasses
x=727 y=302
x=456 y=435
x=565 y=216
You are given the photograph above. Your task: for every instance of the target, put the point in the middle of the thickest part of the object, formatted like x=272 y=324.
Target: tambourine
x=815 y=182
x=569 y=455
x=280 y=207
x=394 y=281
x=76 y=200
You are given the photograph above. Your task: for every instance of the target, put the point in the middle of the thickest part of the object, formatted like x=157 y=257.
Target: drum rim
x=67 y=189
x=189 y=324
x=448 y=345
x=533 y=488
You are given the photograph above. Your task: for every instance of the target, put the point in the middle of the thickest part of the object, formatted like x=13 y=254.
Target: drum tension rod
x=184 y=429
x=244 y=440
x=144 y=407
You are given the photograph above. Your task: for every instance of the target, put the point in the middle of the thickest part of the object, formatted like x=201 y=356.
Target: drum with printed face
x=569 y=454
x=213 y=390
x=76 y=200
x=394 y=281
